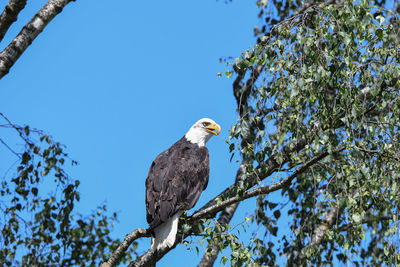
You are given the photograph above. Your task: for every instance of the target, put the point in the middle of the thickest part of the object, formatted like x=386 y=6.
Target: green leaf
x=186 y=228
x=379 y=33
x=34 y=191
x=224 y=259
x=277 y=214
x=356 y=217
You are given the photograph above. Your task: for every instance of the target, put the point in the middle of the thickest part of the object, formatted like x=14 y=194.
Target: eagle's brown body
x=175 y=181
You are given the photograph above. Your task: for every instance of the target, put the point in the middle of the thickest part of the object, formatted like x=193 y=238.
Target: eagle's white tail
x=165 y=234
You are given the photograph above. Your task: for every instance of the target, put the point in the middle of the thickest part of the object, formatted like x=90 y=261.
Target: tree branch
x=151 y=257
x=365 y=221
x=129 y=238
x=375 y=152
x=29 y=33
x=10 y=15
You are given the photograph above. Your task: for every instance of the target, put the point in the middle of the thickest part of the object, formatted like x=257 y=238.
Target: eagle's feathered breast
x=175 y=181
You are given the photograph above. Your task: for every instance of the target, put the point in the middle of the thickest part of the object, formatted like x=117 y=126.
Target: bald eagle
x=175 y=181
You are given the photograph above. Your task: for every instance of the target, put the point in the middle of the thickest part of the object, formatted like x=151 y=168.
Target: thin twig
x=9 y=148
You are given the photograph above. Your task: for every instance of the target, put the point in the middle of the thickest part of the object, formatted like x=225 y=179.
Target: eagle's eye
x=206 y=124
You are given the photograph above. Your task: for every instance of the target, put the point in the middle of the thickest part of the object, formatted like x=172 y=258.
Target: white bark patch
x=19 y=41
x=365 y=90
x=38 y=23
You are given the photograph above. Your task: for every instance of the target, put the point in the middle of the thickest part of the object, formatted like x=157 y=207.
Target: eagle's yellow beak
x=214 y=128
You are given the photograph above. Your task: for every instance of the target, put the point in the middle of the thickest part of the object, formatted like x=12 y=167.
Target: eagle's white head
x=202 y=131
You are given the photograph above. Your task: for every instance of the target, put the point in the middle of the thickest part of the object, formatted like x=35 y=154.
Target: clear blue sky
x=118 y=82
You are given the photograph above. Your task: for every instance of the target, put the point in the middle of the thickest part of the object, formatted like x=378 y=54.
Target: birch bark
x=29 y=33
x=10 y=15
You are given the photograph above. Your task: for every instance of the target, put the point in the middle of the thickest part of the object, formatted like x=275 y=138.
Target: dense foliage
x=38 y=224
x=323 y=78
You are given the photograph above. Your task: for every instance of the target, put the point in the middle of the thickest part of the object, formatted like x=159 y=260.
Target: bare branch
x=29 y=33
x=10 y=15
x=129 y=238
